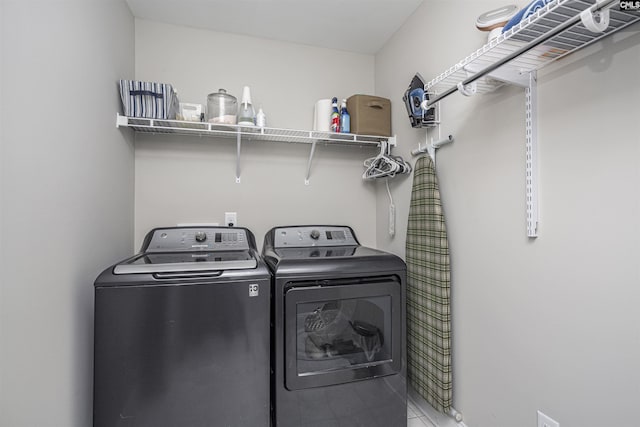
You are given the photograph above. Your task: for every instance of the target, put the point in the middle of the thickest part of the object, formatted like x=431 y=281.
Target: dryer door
x=339 y=331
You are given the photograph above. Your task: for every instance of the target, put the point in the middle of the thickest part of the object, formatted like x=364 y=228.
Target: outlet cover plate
x=231 y=219
x=546 y=421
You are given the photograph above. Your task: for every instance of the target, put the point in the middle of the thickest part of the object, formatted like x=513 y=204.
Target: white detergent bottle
x=261 y=118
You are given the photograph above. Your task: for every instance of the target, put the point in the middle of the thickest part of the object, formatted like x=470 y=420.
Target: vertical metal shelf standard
x=554 y=31
x=179 y=127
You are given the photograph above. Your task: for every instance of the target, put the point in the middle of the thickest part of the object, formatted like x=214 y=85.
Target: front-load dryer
x=338 y=330
x=182 y=333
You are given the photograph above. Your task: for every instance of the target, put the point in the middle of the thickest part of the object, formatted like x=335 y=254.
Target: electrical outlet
x=545 y=421
x=231 y=219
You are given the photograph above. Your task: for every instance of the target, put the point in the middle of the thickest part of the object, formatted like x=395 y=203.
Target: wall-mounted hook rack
x=430 y=147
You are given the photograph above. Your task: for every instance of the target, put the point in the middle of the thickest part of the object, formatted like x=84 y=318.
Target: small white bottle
x=261 y=119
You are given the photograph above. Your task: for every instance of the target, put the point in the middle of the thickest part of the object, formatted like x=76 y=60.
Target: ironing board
x=428 y=291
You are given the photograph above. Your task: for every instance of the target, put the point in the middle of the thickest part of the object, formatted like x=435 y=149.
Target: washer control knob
x=315 y=234
x=201 y=236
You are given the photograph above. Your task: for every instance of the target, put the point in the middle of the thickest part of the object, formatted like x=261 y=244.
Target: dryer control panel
x=314 y=235
x=196 y=239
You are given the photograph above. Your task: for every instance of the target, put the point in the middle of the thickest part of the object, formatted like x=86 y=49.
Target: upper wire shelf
x=179 y=127
x=546 y=24
x=552 y=32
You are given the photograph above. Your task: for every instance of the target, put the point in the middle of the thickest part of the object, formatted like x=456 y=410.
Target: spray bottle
x=246 y=113
x=345 y=118
x=335 y=116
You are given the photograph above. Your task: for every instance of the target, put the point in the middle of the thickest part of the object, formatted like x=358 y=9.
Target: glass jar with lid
x=222 y=108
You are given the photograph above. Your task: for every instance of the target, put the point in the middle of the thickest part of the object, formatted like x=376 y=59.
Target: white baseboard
x=437 y=418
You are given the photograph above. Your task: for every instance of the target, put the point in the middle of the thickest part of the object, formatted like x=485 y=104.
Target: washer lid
x=173 y=262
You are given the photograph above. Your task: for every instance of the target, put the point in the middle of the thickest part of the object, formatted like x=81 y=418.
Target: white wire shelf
x=240 y=133
x=554 y=31
x=179 y=127
x=545 y=22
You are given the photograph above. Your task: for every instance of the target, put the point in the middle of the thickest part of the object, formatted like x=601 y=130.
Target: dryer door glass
x=336 y=333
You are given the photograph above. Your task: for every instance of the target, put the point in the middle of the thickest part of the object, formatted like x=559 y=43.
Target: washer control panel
x=314 y=235
x=196 y=239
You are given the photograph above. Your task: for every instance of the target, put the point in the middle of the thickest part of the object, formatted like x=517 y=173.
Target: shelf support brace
x=313 y=149
x=533 y=212
x=238 y=143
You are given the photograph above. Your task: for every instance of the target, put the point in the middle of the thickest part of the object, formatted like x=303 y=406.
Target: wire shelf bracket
x=238 y=145
x=531 y=130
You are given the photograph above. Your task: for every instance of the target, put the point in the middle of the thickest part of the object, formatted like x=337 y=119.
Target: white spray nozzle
x=246 y=95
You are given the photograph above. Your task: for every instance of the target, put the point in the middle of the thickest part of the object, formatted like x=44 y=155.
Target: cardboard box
x=370 y=115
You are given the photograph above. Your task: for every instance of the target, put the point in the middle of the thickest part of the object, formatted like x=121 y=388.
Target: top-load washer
x=182 y=333
x=338 y=330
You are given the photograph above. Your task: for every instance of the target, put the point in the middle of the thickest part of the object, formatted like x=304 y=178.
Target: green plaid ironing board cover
x=428 y=291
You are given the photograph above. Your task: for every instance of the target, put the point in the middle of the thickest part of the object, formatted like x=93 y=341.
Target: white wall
x=550 y=323
x=185 y=179
x=2 y=292
x=67 y=198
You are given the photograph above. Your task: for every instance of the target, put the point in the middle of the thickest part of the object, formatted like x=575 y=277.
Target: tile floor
x=421 y=414
x=415 y=416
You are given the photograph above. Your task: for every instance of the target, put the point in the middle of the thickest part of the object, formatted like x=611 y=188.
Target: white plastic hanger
x=384 y=164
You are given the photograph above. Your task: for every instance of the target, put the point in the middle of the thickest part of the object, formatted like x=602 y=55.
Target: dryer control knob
x=201 y=236
x=315 y=234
